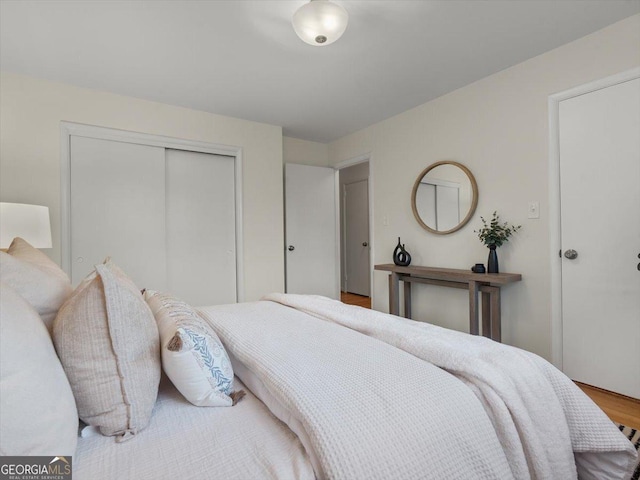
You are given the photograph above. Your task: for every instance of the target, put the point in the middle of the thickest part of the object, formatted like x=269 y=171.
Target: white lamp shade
x=30 y=222
x=320 y=22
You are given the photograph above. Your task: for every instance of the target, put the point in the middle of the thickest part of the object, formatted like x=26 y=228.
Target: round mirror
x=444 y=197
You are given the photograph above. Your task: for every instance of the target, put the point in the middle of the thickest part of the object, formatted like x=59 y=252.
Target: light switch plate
x=534 y=210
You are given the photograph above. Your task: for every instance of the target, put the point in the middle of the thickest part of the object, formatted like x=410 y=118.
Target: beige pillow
x=38 y=279
x=107 y=341
x=38 y=414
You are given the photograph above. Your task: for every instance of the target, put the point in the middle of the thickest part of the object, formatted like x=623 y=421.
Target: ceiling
x=243 y=59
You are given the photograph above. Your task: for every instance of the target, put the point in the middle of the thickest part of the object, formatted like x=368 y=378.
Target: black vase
x=492 y=263
x=400 y=256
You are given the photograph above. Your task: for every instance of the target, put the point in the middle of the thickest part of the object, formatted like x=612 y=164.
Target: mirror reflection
x=444 y=197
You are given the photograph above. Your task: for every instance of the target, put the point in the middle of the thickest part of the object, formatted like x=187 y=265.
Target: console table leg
x=486 y=314
x=496 y=322
x=394 y=294
x=407 y=299
x=474 y=326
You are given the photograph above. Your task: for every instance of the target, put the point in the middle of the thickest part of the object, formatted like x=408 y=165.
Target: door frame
x=68 y=129
x=555 y=232
x=367 y=157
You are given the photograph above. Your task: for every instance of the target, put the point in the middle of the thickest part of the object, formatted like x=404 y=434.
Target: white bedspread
x=187 y=442
x=368 y=410
x=540 y=415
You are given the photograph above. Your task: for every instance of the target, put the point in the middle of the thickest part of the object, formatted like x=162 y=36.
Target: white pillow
x=192 y=355
x=38 y=414
x=38 y=279
x=107 y=341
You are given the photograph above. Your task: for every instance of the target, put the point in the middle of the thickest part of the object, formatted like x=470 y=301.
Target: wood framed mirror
x=444 y=197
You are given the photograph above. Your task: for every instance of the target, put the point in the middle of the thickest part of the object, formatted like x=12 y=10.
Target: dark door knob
x=291 y=248
x=365 y=244
x=571 y=254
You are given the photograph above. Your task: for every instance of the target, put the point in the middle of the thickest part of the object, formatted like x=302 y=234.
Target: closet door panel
x=447 y=206
x=426 y=203
x=201 y=227
x=118 y=209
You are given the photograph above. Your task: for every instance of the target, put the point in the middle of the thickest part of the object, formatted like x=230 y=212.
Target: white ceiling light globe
x=320 y=22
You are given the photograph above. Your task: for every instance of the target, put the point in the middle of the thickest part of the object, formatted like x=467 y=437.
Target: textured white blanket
x=369 y=410
x=185 y=442
x=541 y=417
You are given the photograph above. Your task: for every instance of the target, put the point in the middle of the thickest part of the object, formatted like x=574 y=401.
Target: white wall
x=498 y=128
x=305 y=152
x=30 y=115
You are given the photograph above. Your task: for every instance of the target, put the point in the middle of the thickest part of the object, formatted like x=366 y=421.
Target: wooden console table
x=487 y=283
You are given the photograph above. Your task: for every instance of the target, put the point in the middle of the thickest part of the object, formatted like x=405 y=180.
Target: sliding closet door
x=167 y=217
x=447 y=206
x=118 y=209
x=426 y=203
x=201 y=227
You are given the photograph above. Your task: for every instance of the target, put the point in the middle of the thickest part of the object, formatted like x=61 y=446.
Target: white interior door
x=118 y=209
x=201 y=227
x=310 y=216
x=600 y=214
x=357 y=237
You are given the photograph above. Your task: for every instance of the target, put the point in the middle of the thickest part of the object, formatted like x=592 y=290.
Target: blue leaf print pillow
x=193 y=356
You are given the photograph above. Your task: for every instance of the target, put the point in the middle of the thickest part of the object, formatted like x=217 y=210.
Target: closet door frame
x=69 y=129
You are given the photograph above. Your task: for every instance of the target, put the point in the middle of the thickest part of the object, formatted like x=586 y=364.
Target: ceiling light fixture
x=320 y=22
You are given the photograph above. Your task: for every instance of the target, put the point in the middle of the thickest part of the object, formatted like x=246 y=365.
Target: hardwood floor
x=353 y=299
x=619 y=408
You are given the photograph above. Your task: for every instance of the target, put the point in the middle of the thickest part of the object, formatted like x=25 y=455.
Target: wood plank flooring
x=621 y=409
x=353 y=299
x=618 y=408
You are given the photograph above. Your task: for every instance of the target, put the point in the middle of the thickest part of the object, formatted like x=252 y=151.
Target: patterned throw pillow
x=192 y=355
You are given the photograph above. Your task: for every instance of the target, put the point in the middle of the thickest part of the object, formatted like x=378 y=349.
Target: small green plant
x=495 y=233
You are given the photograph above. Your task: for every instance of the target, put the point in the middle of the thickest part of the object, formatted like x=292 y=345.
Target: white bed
x=354 y=407
x=332 y=391
x=183 y=441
